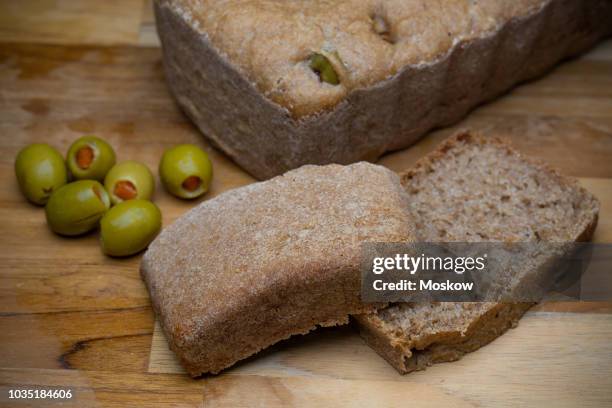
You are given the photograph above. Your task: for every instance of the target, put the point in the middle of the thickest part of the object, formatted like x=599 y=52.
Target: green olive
x=185 y=171
x=129 y=227
x=76 y=207
x=40 y=170
x=90 y=158
x=129 y=180
x=320 y=64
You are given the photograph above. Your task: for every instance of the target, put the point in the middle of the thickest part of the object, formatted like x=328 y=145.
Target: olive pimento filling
x=84 y=157
x=192 y=183
x=125 y=190
x=97 y=192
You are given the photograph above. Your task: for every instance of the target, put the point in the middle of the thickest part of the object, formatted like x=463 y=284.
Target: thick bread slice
x=240 y=69
x=475 y=189
x=263 y=262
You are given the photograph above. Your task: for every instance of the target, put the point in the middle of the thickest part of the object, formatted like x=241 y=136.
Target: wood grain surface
x=71 y=318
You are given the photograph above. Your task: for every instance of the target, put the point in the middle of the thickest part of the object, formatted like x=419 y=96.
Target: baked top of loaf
x=366 y=41
x=257 y=264
x=477 y=189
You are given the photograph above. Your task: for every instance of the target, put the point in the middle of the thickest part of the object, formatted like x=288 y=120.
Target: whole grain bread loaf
x=241 y=69
x=475 y=189
x=263 y=262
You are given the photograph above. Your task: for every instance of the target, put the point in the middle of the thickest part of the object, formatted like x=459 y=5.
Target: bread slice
x=475 y=189
x=263 y=262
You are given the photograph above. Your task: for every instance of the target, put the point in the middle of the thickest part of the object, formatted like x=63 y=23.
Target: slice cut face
x=476 y=189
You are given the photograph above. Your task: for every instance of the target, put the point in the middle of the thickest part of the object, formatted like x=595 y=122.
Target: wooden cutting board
x=71 y=318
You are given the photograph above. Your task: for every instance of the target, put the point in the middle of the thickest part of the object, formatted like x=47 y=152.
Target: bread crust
x=267 y=138
x=258 y=264
x=366 y=41
x=406 y=353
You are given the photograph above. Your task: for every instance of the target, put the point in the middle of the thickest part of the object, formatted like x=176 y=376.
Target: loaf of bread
x=263 y=262
x=475 y=189
x=387 y=71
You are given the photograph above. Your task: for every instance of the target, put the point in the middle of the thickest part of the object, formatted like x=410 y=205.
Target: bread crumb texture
x=257 y=264
x=366 y=41
x=477 y=189
x=480 y=189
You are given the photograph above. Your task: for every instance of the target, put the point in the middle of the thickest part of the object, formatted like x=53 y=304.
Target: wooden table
x=71 y=318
